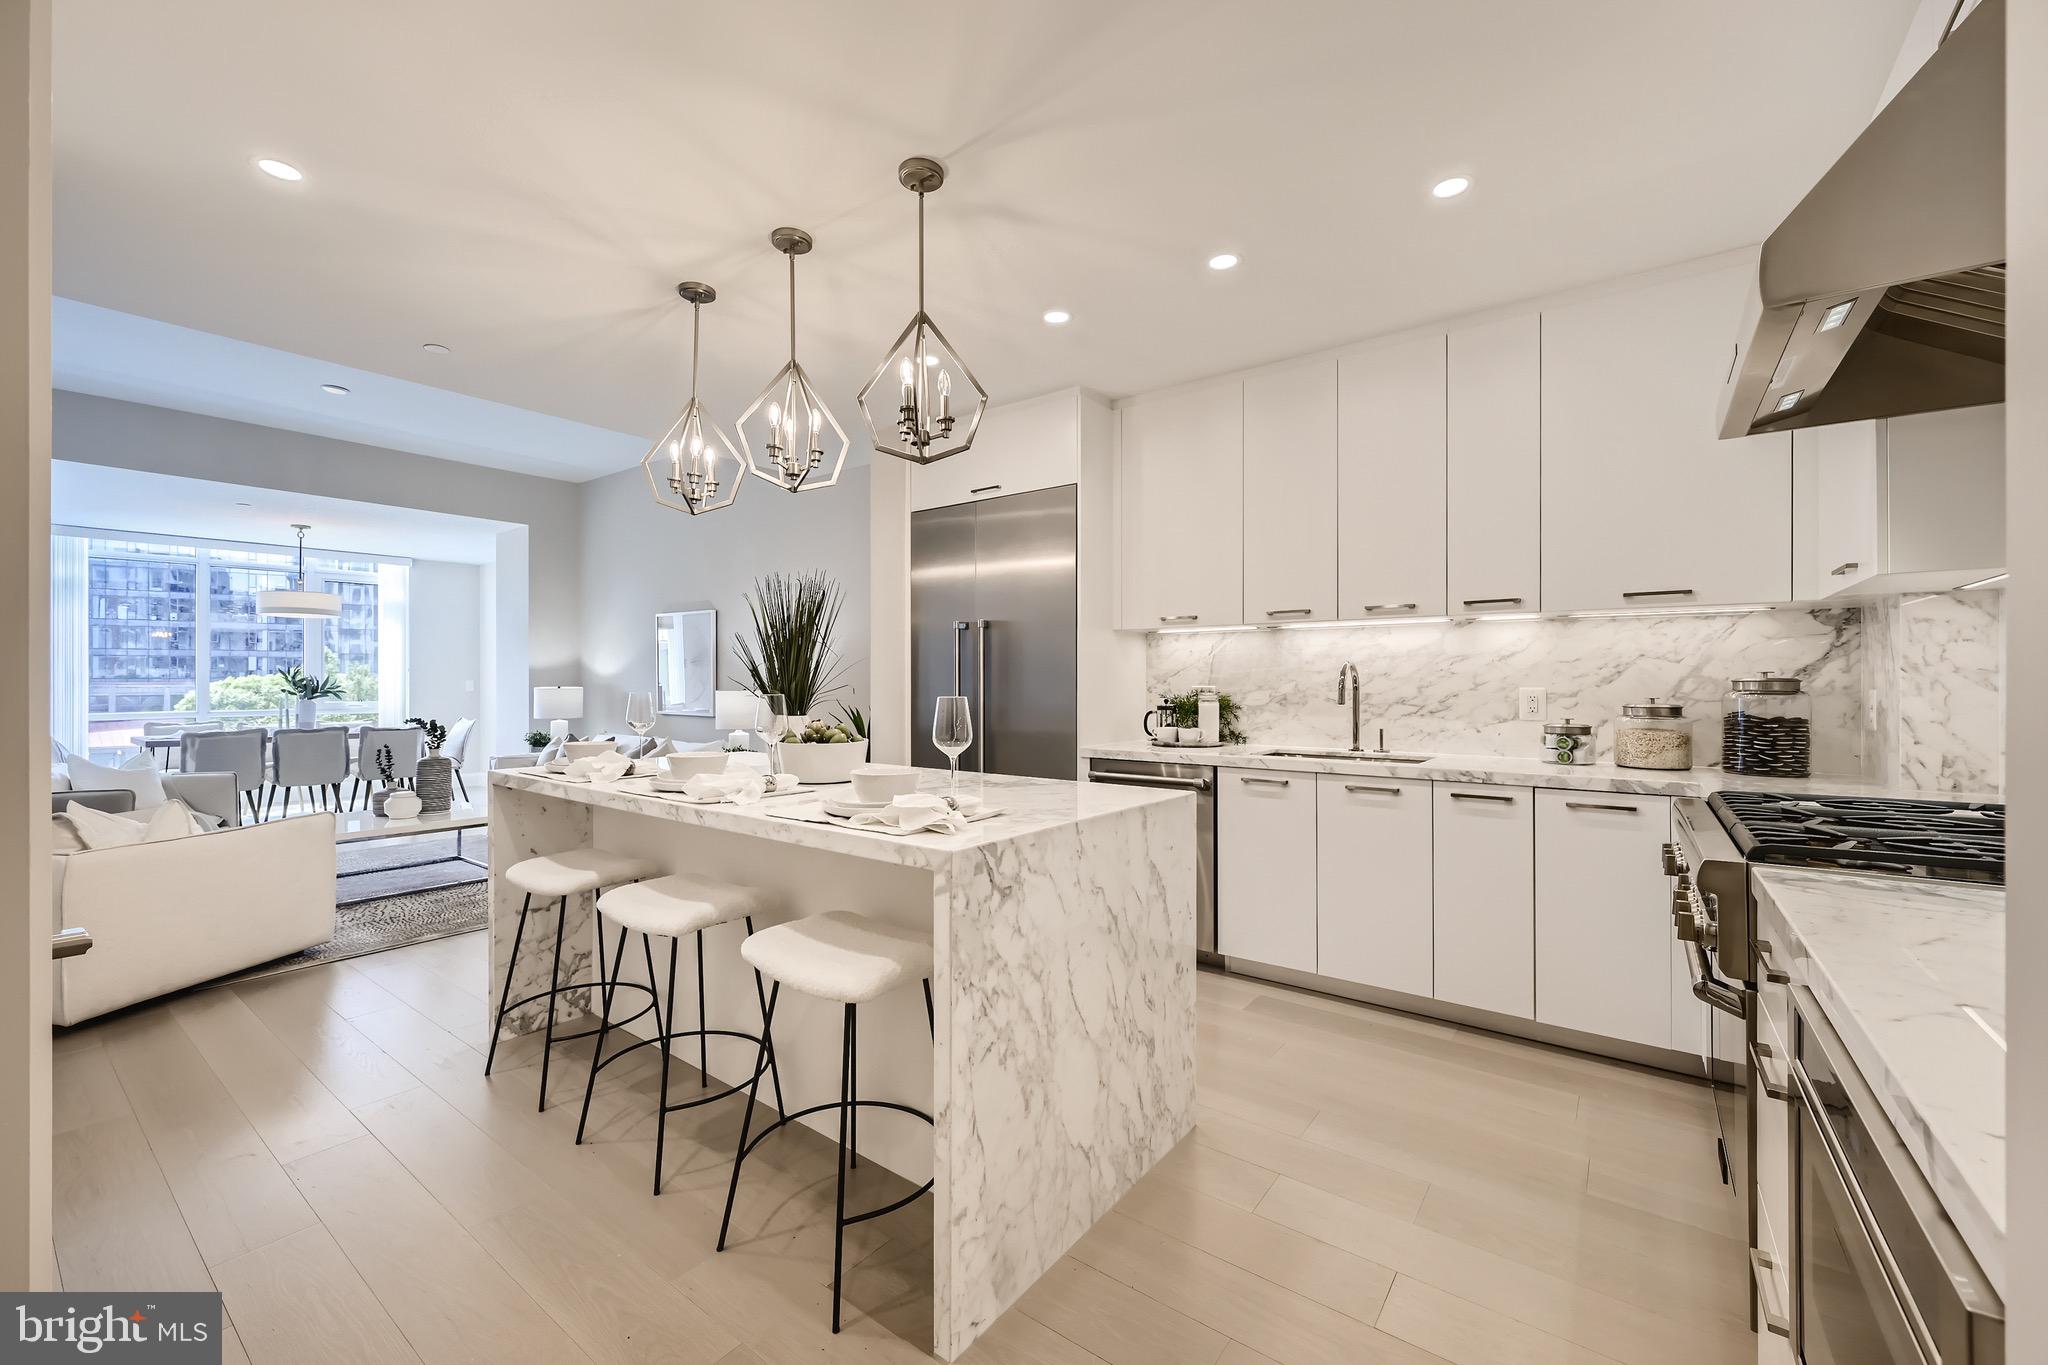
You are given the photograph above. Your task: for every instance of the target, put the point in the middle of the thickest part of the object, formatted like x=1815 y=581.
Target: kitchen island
x=1061 y=1063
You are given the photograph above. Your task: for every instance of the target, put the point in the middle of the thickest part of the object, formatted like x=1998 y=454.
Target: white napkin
x=739 y=788
x=923 y=811
x=605 y=767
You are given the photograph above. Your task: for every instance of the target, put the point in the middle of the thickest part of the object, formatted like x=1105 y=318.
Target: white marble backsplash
x=1937 y=669
x=1450 y=687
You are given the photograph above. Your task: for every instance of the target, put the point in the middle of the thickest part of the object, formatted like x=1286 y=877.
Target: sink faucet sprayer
x=1348 y=674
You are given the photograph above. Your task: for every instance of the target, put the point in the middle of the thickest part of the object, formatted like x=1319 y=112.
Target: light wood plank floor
x=1362 y=1186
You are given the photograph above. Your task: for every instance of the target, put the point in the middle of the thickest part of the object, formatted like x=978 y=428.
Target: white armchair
x=172 y=914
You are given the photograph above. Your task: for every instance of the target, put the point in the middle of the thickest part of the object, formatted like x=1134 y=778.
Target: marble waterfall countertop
x=1911 y=974
x=1062 y=1032
x=1512 y=771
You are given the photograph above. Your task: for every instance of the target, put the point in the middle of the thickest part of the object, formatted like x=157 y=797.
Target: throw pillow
x=138 y=775
x=103 y=829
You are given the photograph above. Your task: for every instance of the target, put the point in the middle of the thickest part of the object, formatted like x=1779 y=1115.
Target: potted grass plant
x=791 y=653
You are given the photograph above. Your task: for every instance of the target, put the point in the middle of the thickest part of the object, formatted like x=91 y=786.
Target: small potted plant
x=309 y=690
x=385 y=775
x=435 y=778
x=536 y=740
x=825 y=750
x=795 y=617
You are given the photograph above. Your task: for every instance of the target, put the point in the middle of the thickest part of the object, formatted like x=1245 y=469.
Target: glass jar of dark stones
x=1767 y=727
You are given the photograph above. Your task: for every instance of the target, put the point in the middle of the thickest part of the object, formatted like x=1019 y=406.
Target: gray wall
x=445 y=662
x=640 y=559
x=537 y=578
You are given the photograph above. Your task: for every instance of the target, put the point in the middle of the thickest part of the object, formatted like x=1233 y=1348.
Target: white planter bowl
x=820 y=763
x=401 y=805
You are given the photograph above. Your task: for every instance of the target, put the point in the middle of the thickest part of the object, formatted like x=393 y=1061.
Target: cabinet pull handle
x=1482 y=796
x=1189 y=617
x=1599 y=805
x=1392 y=606
x=1840 y=569
x=1493 y=602
x=1359 y=787
x=1765 y=1272
x=1759 y=1053
x=986 y=488
x=1264 y=781
x=1292 y=611
x=1763 y=957
x=1659 y=592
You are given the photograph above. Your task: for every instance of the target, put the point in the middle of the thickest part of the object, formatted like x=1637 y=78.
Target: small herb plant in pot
x=309 y=690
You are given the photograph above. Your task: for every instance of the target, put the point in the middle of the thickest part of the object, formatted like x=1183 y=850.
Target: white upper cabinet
x=1290 y=527
x=1390 y=481
x=1496 y=471
x=1019 y=447
x=1642 y=505
x=1904 y=504
x=1180 y=506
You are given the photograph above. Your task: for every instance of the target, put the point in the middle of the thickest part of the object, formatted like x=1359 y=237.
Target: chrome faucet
x=1349 y=674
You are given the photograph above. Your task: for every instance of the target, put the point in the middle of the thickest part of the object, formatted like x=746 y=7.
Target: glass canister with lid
x=1767 y=727
x=1653 y=734
x=1567 y=741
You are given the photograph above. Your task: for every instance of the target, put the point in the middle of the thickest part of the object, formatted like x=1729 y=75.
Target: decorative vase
x=402 y=805
x=823 y=763
x=309 y=713
x=379 y=797
x=435 y=783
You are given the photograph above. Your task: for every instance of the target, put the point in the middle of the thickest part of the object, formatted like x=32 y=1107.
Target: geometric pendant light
x=693 y=467
x=791 y=438
x=296 y=601
x=912 y=404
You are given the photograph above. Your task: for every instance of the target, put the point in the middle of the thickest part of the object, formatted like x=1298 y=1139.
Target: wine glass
x=640 y=712
x=952 y=733
x=771 y=719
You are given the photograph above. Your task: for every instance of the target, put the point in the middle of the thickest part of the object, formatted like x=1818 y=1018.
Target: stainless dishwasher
x=1187 y=777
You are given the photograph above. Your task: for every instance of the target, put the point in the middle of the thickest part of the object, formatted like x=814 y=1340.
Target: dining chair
x=456 y=748
x=240 y=752
x=404 y=743
x=314 y=759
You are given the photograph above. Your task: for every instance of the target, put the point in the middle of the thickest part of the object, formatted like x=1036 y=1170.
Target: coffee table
x=362 y=826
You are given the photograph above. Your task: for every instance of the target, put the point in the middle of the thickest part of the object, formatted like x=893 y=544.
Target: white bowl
x=693 y=764
x=588 y=748
x=817 y=764
x=883 y=782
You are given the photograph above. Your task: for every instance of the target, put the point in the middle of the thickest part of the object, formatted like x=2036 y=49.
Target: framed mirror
x=686 y=661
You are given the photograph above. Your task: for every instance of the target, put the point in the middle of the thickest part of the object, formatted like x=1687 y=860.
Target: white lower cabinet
x=1266 y=867
x=1603 y=937
x=1375 y=883
x=1485 y=952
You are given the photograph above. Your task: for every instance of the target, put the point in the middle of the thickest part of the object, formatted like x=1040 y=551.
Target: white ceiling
x=99 y=498
x=526 y=181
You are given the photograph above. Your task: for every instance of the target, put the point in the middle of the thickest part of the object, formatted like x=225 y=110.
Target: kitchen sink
x=1356 y=756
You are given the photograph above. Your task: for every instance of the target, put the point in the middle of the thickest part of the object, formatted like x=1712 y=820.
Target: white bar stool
x=556 y=877
x=853 y=959
x=671 y=908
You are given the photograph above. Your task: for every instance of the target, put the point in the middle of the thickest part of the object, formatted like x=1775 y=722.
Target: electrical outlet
x=1534 y=703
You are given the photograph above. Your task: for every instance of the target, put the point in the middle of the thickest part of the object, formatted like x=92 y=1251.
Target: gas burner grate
x=1921 y=838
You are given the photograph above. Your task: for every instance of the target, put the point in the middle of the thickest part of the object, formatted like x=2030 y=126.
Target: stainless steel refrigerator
x=993 y=619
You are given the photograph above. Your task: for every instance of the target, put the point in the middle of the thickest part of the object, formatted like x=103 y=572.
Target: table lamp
x=737 y=712
x=559 y=705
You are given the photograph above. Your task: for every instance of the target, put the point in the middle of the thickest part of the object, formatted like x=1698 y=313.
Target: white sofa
x=168 y=915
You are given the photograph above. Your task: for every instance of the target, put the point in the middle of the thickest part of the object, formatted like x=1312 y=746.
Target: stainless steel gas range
x=1875 y=1275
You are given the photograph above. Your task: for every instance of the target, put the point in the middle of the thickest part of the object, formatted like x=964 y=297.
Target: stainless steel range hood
x=1883 y=293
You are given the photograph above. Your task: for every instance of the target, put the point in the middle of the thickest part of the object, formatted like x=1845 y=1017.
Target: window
x=158 y=648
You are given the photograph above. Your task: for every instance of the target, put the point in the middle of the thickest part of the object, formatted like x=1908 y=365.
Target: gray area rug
x=393 y=922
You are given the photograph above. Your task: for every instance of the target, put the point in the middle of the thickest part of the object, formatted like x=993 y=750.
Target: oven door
x=1848 y=1312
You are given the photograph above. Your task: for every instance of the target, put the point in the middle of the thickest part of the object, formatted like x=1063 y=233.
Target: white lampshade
x=324 y=606
x=557 y=703
x=733 y=710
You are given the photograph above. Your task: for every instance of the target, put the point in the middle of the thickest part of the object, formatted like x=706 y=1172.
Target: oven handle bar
x=1712 y=989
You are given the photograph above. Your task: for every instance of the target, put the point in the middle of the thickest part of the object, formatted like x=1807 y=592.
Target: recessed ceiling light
x=245 y=504
x=434 y=348
x=1058 y=317
x=1225 y=261
x=1451 y=188
x=335 y=389
x=281 y=170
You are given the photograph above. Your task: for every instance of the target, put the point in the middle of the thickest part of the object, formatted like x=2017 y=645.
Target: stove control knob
x=1688 y=927
x=1674 y=861
x=1681 y=906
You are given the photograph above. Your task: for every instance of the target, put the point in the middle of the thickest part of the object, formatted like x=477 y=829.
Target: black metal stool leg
x=774 y=1071
x=703 y=1025
x=845 y=1112
x=604 y=1022
x=505 y=995
x=931 y=1019
x=852 y=1086
x=739 y=1154
x=661 y=1117
x=547 y=1047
